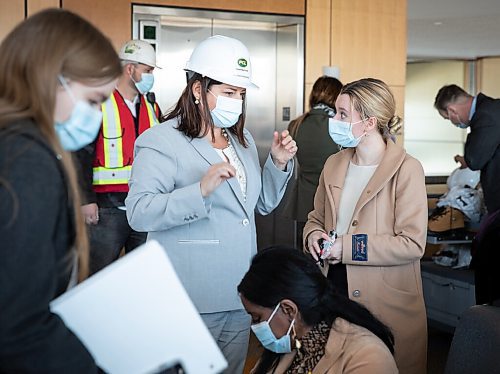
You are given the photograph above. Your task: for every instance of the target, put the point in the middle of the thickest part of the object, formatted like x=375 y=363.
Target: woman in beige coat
x=304 y=325
x=373 y=195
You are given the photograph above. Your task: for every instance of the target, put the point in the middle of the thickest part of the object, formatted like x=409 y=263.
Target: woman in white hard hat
x=196 y=183
x=55 y=70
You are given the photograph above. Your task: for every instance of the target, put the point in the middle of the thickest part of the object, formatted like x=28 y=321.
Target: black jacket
x=485 y=259
x=482 y=148
x=36 y=234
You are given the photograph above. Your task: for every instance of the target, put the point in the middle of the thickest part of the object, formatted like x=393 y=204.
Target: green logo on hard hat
x=242 y=63
x=131 y=48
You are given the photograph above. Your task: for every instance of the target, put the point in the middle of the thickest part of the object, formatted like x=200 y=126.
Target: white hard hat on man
x=223 y=59
x=138 y=51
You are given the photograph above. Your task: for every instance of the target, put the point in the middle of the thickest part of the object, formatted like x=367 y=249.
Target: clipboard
x=134 y=316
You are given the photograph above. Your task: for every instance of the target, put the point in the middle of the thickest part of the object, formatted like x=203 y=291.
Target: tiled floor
x=438 y=347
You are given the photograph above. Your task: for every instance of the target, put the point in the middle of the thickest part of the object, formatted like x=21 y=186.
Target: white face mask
x=227 y=111
x=341 y=133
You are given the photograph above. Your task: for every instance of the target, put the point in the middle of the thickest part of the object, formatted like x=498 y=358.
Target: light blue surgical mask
x=227 y=111
x=81 y=127
x=265 y=334
x=145 y=84
x=460 y=124
x=341 y=133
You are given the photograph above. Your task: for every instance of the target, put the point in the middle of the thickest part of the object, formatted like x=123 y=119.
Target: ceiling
x=453 y=29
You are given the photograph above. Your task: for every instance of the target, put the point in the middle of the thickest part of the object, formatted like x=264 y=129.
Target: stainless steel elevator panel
x=276 y=45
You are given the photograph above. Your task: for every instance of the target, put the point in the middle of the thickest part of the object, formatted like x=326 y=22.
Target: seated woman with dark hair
x=304 y=325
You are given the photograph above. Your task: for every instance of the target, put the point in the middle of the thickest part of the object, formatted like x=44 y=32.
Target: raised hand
x=282 y=149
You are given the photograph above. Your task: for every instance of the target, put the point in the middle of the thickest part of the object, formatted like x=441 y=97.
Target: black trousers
x=109 y=236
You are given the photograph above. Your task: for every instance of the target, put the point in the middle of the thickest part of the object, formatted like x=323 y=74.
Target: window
x=428 y=137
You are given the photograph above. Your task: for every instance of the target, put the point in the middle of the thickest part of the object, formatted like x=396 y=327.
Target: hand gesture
x=282 y=149
x=214 y=176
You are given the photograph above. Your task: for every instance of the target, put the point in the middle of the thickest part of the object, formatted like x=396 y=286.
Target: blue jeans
x=109 y=236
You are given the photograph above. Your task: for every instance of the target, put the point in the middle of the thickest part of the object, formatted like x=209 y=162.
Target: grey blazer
x=210 y=241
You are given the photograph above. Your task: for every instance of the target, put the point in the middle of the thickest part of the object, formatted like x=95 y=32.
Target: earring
x=196 y=101
x=297 y=342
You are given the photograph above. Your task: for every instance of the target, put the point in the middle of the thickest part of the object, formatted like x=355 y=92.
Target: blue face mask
x=460 y=124
x=227 y=111
x=341 y=133
x=145 y=84
x=265 y=334
x=81 y=127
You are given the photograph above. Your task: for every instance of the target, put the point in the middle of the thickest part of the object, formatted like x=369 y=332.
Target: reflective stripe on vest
x=103 y=176
x=112 y=134
x=151 y=114
x=113 y=171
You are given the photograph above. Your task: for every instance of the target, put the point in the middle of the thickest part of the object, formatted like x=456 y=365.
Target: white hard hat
x=223 y=59
x=138 y=51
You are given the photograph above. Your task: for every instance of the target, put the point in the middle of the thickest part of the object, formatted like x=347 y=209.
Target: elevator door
x=277 y=54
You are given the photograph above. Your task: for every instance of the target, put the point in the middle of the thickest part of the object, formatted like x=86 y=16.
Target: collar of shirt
x=132 y=105
x=472 y=108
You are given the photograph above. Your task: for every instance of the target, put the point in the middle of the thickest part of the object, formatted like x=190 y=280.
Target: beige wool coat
x=350 y=349
x=392 y=212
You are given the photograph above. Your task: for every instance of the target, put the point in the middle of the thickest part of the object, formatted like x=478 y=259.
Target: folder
x=135 y=316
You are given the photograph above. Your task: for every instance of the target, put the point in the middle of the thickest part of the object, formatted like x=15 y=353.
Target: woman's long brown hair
x=32 y=56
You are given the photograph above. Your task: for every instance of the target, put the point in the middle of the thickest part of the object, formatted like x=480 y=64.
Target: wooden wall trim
x=289 y=7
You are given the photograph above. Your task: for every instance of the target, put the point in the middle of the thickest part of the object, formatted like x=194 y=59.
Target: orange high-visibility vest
x=114 y=152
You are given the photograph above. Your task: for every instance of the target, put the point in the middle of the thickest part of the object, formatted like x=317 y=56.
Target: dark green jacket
x=314 y=146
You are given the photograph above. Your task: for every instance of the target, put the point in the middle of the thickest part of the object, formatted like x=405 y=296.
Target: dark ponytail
x=336 y=305
x=279 y=273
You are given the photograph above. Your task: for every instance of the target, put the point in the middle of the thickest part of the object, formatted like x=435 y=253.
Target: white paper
x=134 y=316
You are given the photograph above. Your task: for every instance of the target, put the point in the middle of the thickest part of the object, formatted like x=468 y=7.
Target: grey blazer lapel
x=233 y=182
x=206 y=151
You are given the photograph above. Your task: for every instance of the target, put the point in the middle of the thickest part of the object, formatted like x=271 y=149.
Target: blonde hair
x=50 y=43
x=371 y=97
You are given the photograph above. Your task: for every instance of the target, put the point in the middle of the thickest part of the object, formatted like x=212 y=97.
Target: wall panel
x=489 y=76
x=369 y=39
x=11 y=13
x=35 y=6
x=318 y=24
x=112 y=17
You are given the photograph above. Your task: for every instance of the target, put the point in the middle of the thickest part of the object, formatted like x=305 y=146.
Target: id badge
x=360 y=247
